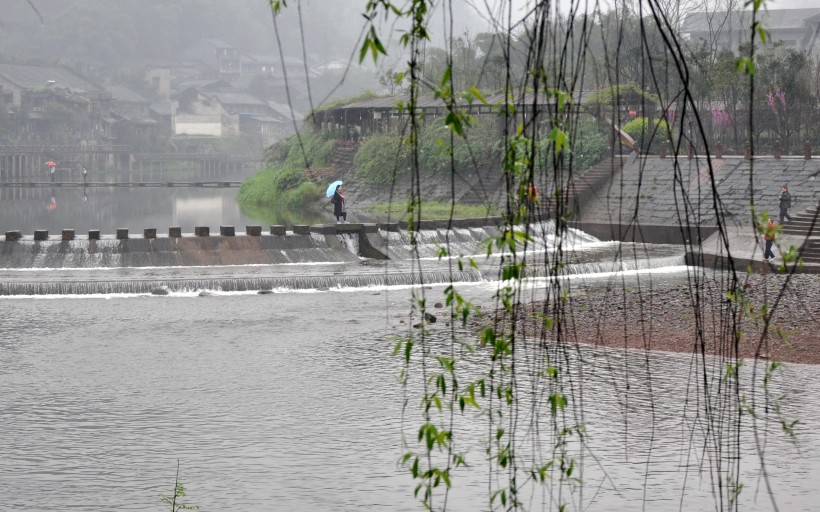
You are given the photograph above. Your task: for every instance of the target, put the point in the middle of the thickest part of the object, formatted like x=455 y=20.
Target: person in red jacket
x=768 y=235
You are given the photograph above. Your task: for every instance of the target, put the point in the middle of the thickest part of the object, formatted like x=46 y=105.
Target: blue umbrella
x=332 y=188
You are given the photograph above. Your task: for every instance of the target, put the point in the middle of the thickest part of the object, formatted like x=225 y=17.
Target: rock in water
x=430 y=317
x=159 y=291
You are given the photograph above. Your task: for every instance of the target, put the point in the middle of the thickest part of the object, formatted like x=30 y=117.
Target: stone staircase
x=343 y=154
x=341 y=163
x=584 y=187
x=806 y=225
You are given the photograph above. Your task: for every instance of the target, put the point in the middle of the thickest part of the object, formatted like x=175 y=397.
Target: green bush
x=259 y=189
x=318 y=150
x=382 y=157
x=283 y=184
x=638 y=130
x=279 y=186
x=475 y=149
x=303 y=195
x=588 y=146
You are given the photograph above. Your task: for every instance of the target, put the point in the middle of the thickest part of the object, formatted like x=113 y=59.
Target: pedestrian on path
x=785 y=204
x=768 y=254
x=339 y=207
x=52 y=166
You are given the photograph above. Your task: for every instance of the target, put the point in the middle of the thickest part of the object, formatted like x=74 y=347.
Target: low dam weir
x=300 y=244
x=304 y=257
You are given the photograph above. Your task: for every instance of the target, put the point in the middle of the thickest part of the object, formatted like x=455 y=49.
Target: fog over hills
x=114 y=32
x=107 y=32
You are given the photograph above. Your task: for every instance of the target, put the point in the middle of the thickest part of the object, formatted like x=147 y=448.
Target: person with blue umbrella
x=332 y=188
x=338 y=200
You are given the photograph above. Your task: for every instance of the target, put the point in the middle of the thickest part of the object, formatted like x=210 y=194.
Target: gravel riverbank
x=663 y=317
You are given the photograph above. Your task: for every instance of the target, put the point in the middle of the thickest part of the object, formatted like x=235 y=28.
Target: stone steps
x=584 y=187
x=801 y=223
x=343 y=156
x=810 y=252
x=806 y=224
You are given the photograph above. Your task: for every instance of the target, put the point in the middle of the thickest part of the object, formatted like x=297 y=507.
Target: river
x=290 y=401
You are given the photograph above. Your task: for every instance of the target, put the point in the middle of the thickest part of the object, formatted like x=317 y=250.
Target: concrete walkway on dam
x=747 y=252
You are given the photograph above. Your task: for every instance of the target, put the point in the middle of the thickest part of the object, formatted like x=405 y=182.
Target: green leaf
x=560 y=140
x=557 y=401
x=761 y=32
x=746 y=65
x=276 y=5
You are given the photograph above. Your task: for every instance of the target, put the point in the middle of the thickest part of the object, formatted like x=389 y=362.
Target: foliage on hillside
x=382 y=158
x=386 y=157
x=283 y=183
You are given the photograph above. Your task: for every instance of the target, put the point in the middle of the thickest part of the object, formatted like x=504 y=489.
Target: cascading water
x=459 y=241
x=234 y=284
x=299 y=262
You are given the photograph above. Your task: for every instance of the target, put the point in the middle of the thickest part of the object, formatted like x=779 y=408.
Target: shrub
x=638 y=130
x=259 y=189
x=475 y=149
x=318 y=150
x=589 y=145
x=283 y=183
x=382 y=157
x=297 y=198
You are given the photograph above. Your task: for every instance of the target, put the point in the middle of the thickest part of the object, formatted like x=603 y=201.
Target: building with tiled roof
x=793 y=28
x=17 y=78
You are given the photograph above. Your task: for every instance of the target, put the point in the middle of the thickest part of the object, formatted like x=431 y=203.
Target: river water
x=109 y=208
x=290 y=401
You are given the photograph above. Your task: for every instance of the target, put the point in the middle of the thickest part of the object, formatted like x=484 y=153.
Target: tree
x=516 y=369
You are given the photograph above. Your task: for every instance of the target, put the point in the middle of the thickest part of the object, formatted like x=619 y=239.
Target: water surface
x=289 y=401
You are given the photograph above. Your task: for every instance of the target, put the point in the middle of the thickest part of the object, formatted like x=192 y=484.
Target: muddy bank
x=664 y=317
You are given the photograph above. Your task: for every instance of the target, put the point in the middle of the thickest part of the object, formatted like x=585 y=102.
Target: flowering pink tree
x=721 y=121
x=776 y=100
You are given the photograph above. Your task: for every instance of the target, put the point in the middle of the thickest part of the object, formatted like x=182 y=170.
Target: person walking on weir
x=768 y=235
x=785 y=204
x=339 y=209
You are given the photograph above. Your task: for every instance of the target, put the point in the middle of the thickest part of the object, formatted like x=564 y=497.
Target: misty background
x=108 y=40
x=104 y=38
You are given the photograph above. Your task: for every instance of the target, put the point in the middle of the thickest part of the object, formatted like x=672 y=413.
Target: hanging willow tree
x=512 y=381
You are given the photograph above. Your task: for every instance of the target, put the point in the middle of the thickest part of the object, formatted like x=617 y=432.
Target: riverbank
x=663 y=317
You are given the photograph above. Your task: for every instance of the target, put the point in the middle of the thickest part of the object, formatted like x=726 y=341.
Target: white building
x=793 y=28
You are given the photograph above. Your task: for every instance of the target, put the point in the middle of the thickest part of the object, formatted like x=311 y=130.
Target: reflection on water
x=109 y=208
x=289 y=402
x=84 y=208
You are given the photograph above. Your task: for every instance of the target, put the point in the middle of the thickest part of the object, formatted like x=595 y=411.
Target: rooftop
x=30 y=75
x=772 y=19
